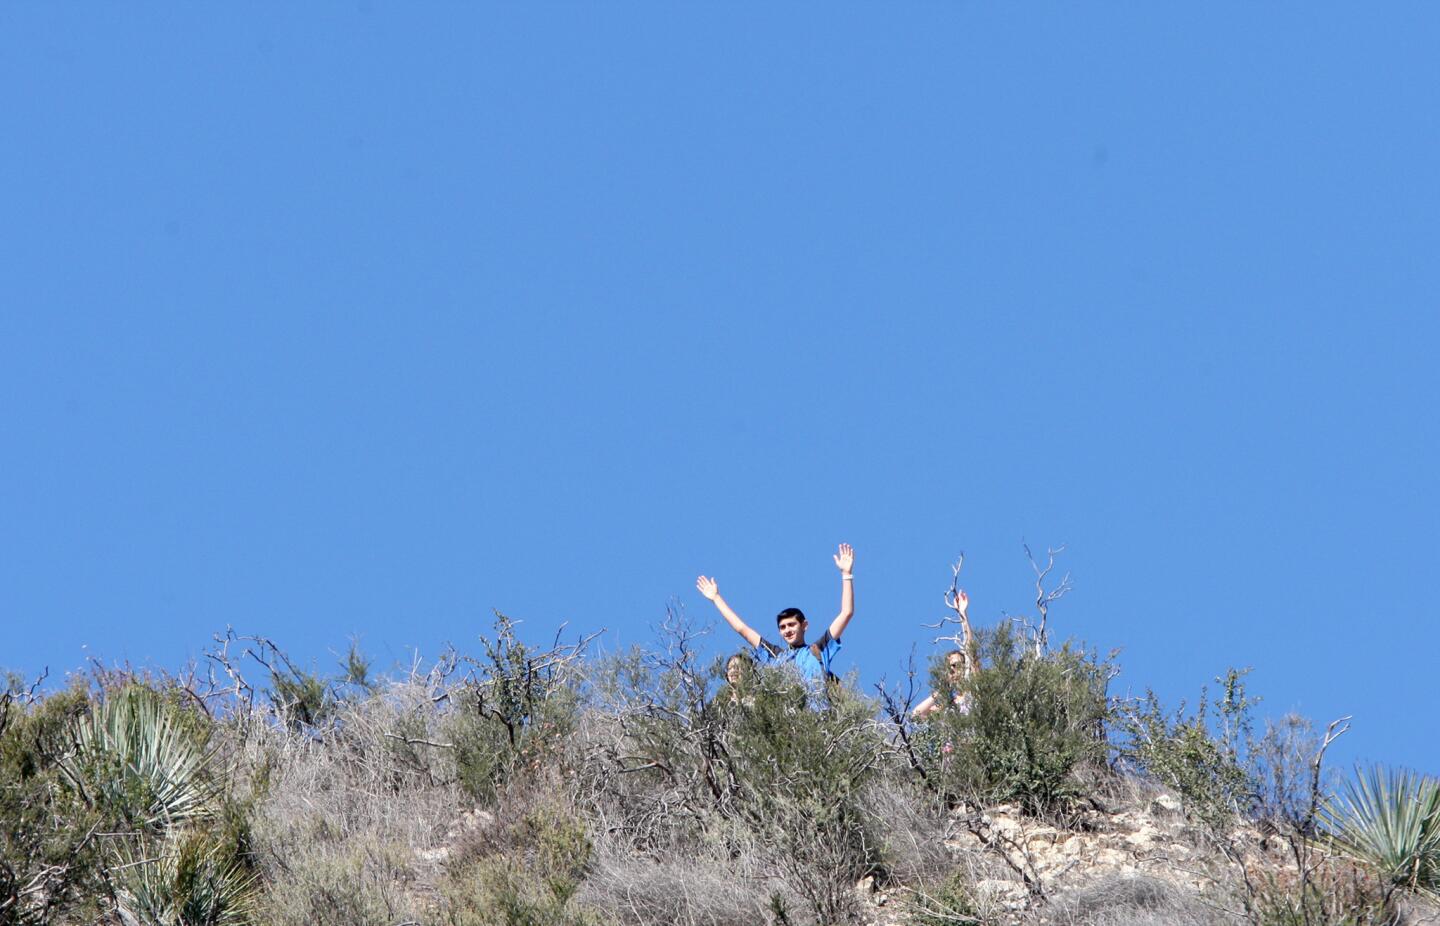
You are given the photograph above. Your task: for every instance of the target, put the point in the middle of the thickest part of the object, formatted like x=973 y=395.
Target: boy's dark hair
x=790 y=612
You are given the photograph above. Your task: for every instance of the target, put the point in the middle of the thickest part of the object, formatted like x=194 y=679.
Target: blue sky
x=324 y=320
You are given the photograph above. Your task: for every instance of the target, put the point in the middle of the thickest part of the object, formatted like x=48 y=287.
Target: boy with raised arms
x=811 y=659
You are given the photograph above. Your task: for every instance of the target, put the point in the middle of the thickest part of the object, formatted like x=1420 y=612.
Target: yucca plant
x=137 y=761
x=1390 y=819
x=188 y=880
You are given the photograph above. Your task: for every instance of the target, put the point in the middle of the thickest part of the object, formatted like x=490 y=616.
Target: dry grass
x=1134 y=900
x=912 y=826
x=343 y=817
x=692 y=891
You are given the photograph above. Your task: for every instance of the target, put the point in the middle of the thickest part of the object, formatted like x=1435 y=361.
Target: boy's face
x=792 y=629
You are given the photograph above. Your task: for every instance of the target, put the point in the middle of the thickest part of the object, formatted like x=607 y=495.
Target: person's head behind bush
x=738 y=668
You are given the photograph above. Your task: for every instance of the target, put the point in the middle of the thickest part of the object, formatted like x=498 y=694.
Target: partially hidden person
x=959 y=666
x=813 y=660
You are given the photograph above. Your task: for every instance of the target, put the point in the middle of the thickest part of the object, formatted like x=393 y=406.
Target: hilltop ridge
x=528 y=785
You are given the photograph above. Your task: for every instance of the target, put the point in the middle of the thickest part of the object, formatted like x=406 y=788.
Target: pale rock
x=1146 y=838
x=1166 y=803
x=1109 y=858
x=1009 y=894
x=1043 y=836
x=1006 y=826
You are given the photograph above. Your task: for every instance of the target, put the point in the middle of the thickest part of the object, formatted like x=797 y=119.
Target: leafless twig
x=964 y=637
x=409 y=741
x=897 y=708
x=1336 y=729
x=1044 y=598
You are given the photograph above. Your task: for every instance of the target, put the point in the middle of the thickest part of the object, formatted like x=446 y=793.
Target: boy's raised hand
x=708 y=587
x=845 y=559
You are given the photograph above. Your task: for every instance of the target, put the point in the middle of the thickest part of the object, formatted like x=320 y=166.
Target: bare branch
x=963 y=638
x=35 y=686
x=1336 y=729
x=897 y=709
x=1044 y=598
x=408 y=741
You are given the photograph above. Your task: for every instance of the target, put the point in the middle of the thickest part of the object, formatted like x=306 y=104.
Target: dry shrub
x=1337 y=892
x=361 y=882
x=697 y=890
x=662 y=851
x=943 y=892
x=800 y=770
x=1201 y=754
x=341 y=813
x=911 y=825
x=525 y=872
x=1134 y=900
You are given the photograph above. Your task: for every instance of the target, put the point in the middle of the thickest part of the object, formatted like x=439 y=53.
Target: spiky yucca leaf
x=185 y=881
x=1390 y=819
x=134 y=759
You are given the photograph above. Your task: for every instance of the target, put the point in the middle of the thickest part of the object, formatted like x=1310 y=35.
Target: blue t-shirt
x=802 y=657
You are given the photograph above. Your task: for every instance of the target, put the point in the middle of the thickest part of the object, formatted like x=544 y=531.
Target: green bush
x=144 y=762
x=768 y=778
x=49 y=865
x=1034 y=720
x=512 y=714
x=103 y=801
x=1203 y=756
x=799 y=775
x=952 y=903
x=302 y=699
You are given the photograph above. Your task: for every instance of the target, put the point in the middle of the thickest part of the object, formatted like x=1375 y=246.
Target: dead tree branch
x=410 y=741
x=1043 y=597
x=897 y=709
x=963 y=638
x=1336 y=729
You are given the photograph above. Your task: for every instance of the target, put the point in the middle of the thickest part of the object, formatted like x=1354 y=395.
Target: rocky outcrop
x=1144 y=858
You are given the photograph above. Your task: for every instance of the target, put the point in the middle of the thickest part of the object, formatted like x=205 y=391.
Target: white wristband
x=848 y=578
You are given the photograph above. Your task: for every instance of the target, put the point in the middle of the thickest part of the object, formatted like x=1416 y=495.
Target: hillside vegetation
x=541 y=786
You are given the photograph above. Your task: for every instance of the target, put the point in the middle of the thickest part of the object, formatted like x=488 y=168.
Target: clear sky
x=367 y=318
